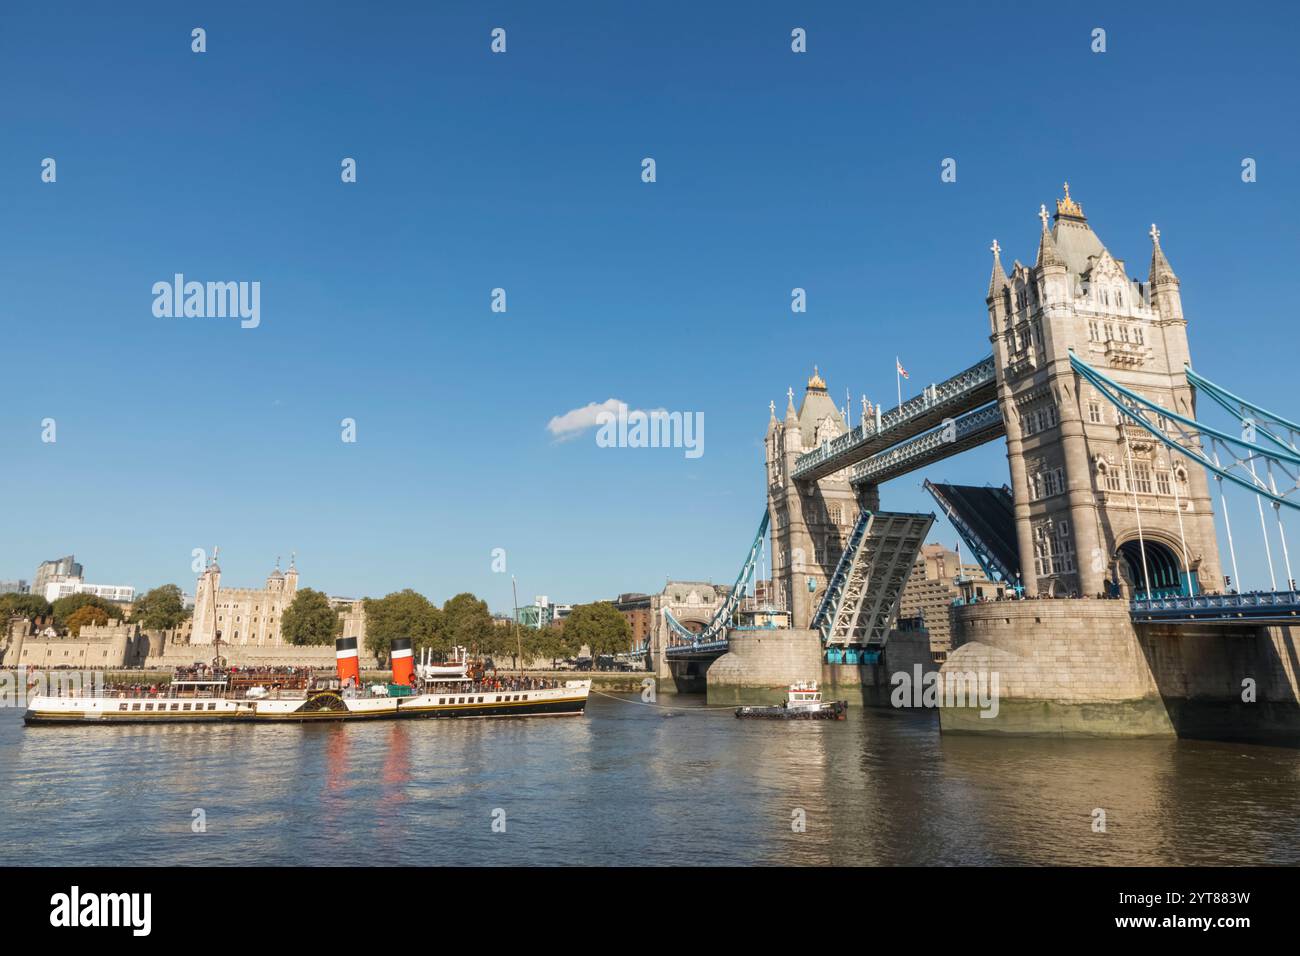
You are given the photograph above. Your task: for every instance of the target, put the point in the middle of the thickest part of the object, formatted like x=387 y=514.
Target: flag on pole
x=901 y=371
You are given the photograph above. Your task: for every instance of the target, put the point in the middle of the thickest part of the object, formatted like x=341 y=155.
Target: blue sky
x=522 y=171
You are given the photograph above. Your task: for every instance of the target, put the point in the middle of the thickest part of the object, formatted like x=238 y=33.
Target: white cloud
x=576 y=421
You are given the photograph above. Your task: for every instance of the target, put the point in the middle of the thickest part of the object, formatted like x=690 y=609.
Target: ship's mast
x=519 y=641
x=216 y=634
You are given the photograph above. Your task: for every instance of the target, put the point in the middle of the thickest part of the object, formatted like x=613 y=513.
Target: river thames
x=634 y=784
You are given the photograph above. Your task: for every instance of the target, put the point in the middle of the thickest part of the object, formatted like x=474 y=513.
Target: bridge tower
x=1098 y=503
x=811 y=520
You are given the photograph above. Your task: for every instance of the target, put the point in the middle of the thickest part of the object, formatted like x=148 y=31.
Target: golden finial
x=1067 y=206
x=816 y=382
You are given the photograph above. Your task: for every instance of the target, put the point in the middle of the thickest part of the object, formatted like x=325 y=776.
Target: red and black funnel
x=403 y=661
x=345 y=659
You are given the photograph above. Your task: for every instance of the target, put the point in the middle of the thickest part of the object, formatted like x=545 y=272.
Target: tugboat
x=802 y=702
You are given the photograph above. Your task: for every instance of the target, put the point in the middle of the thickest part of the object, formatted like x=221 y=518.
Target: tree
x=600 y=627
x=65 y=607
x=86 y=614
x=403 y=614
x=309 y=619
x=548 y=643
x=30 y=606
x=161 y=609
x=501 y=642
x=467 y=622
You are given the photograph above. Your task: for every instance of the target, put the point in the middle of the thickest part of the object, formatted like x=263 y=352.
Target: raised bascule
x=1108 y=512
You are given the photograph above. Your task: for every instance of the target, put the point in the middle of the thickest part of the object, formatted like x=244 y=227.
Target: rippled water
x=630 y=784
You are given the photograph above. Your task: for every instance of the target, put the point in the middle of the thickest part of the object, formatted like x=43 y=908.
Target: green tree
x=65 y=607
x=500 y=641
x=600 y=627
x=86 y=614
x=309 y=619
x=161 y=609
x=29 y=606
x=467 y=622
x=548 y=643
x=403 y=614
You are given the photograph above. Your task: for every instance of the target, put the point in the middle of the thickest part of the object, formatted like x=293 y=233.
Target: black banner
x=250 y=906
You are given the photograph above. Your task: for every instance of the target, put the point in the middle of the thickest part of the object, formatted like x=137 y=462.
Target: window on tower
x=1140 y=477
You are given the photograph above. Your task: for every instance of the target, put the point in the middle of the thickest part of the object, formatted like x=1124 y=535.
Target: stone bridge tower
x=1088 y=487
x=810 y=522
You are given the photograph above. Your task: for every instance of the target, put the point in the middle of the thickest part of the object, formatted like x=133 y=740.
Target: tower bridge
x=1091 y=388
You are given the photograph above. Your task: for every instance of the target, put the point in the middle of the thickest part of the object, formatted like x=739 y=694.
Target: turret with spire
x=998 y=280
x=275 y=580
x=998 y=286
x=1047 y=254
x=291 y=576
x=205 y=601
x=1052 y=266
x=771 y=441
x=1166 y=298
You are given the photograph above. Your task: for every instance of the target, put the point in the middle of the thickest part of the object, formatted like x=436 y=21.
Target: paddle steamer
x=217 y=694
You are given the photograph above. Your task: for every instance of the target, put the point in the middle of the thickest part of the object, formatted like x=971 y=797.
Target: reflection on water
x=635 y=784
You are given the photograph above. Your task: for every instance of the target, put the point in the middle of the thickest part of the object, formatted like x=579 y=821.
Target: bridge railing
x=1252 y=601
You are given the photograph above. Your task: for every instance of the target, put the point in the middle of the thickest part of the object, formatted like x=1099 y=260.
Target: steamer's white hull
x=570 y=699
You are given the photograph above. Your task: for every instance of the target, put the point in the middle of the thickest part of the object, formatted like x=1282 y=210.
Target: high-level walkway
x=964 y=392
x=969 y=431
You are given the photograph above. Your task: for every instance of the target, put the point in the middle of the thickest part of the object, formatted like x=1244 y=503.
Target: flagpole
x=898 y=380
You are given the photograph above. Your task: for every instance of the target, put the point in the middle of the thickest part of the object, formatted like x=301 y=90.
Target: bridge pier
x=1082 y=667
x=759 y=667
x=873 y=685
